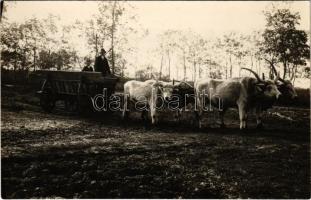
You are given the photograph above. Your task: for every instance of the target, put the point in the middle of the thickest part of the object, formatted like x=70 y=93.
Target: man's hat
x=103 y=50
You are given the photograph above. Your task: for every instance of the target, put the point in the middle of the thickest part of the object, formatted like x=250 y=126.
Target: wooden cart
x=76 y=89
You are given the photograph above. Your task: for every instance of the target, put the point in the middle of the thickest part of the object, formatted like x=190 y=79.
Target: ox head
x=287 y=89
x=266 y=87
x=165 y=89
x=285 y=86
x=182 y=87
x=271 y=90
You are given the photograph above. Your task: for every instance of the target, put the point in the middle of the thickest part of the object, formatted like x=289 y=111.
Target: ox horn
x=255 y=74
x=274 y=70
x=175 y=81
x=277 y=74
x=187 y=84
x=277 y=77
x=282 y=80
x=272 y=66
x=293 y=76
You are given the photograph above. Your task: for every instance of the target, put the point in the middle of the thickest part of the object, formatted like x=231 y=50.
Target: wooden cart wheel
x=71 y=105
x=47 y=101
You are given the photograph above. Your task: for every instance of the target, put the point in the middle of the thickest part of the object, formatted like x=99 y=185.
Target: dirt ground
x=70 y=156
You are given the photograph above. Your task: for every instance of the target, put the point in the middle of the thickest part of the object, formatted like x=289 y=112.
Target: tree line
x=182 y=54
x=47 y=44
x=280 y=45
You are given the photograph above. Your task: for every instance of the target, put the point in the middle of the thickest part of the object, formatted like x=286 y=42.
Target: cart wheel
x=71 y=105
x=47 y=102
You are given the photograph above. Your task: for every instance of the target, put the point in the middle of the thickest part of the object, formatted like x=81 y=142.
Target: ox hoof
x=148 y=126
x=260 y=126
x=223 y=126
x=244 y=130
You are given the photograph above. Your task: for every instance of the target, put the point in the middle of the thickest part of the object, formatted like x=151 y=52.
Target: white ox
x=145 y=96
x=243 y=92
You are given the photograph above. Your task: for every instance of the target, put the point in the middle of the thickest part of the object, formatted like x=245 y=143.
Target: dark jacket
x=101 y=65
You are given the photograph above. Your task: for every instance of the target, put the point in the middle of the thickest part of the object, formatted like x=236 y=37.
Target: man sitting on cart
x=87 y=67
x=101 y=64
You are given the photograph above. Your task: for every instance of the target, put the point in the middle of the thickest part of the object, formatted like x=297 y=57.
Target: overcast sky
x=200 y=16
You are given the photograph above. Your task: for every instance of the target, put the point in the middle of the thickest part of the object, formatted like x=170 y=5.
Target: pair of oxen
x=245 y=93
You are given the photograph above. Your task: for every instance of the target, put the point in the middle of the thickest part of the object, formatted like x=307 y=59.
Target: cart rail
x=72 y=87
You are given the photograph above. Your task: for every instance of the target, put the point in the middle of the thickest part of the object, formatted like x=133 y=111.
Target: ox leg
x=177 y=116
x=153 y=115
x=198 y=111
x=259 y=118
x=144 y=116
x=200 y=119
x=243 y=116
x=125 y=112
x=222 y=120
x=198 y=116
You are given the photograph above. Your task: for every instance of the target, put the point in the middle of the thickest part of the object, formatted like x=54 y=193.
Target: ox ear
x=178 y=84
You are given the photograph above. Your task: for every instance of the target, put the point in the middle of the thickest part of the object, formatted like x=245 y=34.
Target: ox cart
x=75 y=89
